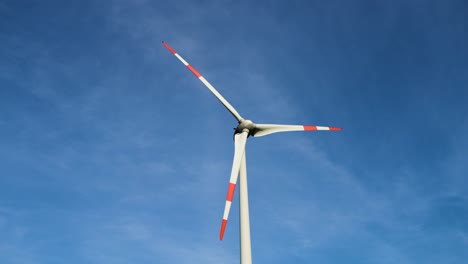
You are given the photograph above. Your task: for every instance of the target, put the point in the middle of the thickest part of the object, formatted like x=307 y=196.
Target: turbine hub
x=245 y=124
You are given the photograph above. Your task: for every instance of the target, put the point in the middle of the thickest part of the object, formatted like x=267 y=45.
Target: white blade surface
x=239 y=149
x=266 y=129
x=226 y=104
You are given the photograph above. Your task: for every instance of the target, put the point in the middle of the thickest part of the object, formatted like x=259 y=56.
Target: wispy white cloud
x=148 y=240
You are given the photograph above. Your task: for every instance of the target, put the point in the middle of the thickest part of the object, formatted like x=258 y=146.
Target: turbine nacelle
x=245 y=124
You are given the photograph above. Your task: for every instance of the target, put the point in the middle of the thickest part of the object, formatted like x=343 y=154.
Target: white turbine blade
x=239 y=148
x=226 y=104
x=266 y=129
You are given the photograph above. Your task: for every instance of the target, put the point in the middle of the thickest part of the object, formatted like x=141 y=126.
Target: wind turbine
x=245 y=129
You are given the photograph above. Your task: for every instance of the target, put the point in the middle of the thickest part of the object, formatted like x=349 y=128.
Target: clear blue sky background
x=112 y=152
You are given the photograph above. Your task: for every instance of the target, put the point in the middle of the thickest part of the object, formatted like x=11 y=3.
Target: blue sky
x=112 y=152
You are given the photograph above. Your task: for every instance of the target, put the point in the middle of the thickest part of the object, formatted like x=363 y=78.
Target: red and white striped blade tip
x=322 y=128
x=223 y=227
x=190 y=67
x=169 y=47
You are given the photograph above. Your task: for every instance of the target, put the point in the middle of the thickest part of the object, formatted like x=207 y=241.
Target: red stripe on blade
x=310 y=128
x=230 y=193
x=335 y=128
x=169 y=48
x=193 y=71
x=223 y=227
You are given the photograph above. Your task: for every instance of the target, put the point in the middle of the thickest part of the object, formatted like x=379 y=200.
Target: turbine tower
x=244 y=129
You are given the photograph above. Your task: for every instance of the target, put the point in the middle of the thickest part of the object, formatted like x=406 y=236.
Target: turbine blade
x=266 y=129
x=226 y=104
x=239 y=147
